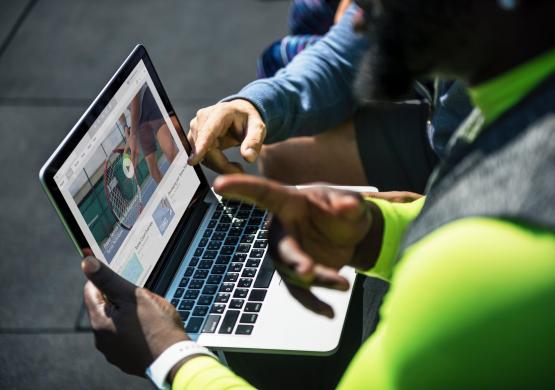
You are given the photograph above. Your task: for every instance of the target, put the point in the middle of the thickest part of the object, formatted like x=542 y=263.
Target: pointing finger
x=262 y=192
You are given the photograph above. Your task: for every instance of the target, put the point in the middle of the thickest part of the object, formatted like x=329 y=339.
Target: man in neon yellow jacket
x=472 y=266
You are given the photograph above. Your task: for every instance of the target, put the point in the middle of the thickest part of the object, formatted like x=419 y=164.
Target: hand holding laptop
x=132 y=326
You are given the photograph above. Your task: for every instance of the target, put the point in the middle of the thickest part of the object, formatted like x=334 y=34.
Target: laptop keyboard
x=224 y=286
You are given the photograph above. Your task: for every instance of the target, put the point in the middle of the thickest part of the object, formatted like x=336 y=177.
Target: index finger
x=262 y=192
x=215 y=125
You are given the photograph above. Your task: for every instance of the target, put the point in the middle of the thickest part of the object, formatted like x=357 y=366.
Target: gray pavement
x=55 y=55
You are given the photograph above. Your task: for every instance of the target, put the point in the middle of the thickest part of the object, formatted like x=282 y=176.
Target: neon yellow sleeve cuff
x=397 y=217
x=205 y=372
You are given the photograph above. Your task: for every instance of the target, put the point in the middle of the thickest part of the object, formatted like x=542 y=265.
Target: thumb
x=116 y=288
x=254 y=137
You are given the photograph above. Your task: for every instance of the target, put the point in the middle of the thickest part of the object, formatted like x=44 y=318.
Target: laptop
x=121 y=185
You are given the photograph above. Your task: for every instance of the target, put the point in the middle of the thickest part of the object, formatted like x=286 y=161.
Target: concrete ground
x=55 y=56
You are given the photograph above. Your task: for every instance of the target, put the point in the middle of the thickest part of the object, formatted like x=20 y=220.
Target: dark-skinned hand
x=314 y=232
x=132 y=326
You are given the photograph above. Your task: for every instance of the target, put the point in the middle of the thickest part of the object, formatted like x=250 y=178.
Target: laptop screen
x=127 y=183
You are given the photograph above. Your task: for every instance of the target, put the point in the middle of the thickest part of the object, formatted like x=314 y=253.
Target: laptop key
x=189 y=271
x=227 y=287
x=223 y=259
x=186 y=305
x=244 y=329
x=219 y=269
x=239 y=257
x=175 y=302
x=210 y=289
x=257 y=295
x=265 y=274
x=244 y=282
x=183 y=315
x=202 y=243
x=248 y=272
x=232 y=277
x=248 y=318
x=239 y=223
x=210 y=255
x=217 y=308
x=211 y=323
x=243 y=248
x=236 y=303
x=211 y=224
x=236 y=267
x=257 y=253
x=201 y=274
x=196 y=284
x=191 y=294
x=229 y=321
x=231 y=241
x=222 y=227
x=235 y=232
x=214 y=245
x=214 y=279
x=253 y=307
x=226 y=218
x=222 y=297
x=241 y=293
x=208 y=233
x=251 y=229
x=200 y=311
x=194 y=324
x=248 y=238
x=227 y=250
x=205 y=264
x=205 y=300
x=263 y=234
x=219 y=236
x=194 y=261
x=198 y=251
x=178 y=293
x=261 y=244
x=253 y=263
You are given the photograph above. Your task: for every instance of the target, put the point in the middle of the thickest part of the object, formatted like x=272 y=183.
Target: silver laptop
x=130 y=196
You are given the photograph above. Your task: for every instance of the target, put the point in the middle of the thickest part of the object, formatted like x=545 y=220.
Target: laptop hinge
x=180 y=243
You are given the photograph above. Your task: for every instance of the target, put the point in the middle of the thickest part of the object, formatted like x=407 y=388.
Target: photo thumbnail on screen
x=122 y=174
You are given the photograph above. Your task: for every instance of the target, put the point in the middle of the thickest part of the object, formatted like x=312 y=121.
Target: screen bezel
x=68 y=145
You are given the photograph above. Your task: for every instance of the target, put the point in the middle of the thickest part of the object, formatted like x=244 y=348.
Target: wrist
x=178 y=365
x=164 y=369
x=367 y=250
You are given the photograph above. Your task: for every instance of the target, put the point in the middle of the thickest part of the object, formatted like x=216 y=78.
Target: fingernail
x=92 y=263
x=341 y=287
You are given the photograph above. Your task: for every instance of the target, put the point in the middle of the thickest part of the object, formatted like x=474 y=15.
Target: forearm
x=314 y=92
